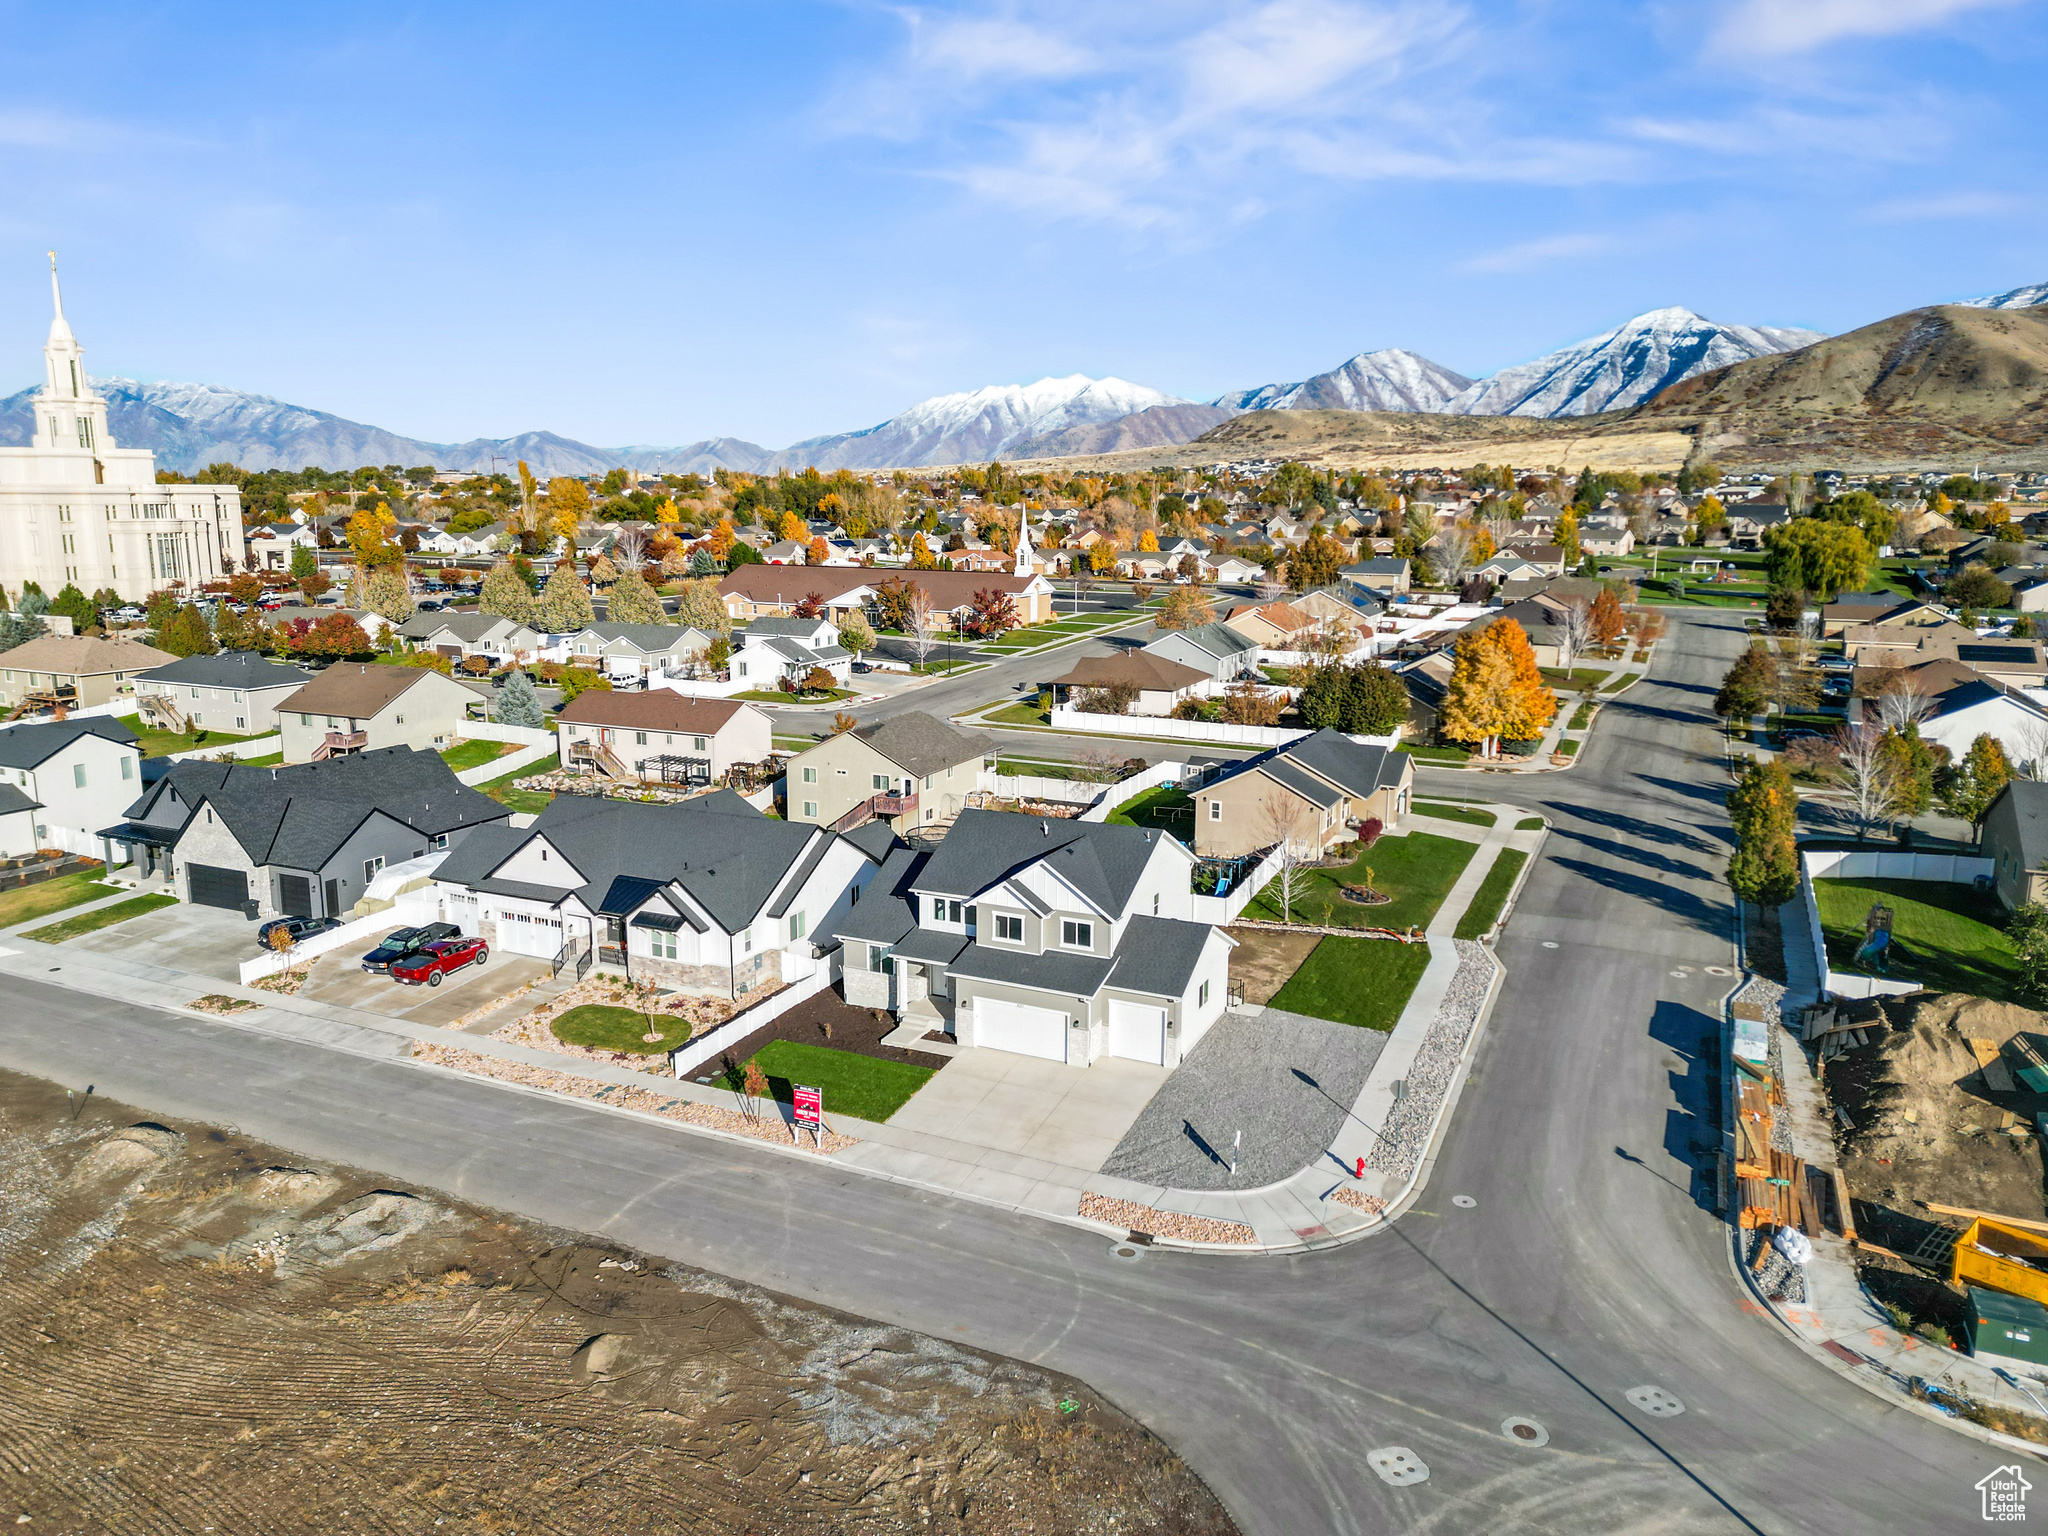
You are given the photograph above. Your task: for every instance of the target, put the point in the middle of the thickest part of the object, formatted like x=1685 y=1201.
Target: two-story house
x=1311 y=793
x=1065 y=940
x=83 y=669
x=912 y=770
x=302 y=841
x=774 y=648
x=70 y=778
x=1217 y=650
x=661 y=734
x=707 y=897
x=362 y=706
x=236 y=692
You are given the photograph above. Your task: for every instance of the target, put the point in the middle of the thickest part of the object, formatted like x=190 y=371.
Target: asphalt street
x=1589 y=1263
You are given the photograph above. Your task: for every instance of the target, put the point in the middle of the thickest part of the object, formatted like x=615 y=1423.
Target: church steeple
x=69 y=413
x=1027 y=563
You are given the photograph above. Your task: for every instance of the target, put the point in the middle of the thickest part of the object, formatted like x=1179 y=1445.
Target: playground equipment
x=1876 y=949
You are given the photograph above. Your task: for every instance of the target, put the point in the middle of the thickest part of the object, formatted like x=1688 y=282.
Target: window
x=1009 y=929
x=1202 y=995
x=796 y=925
x=370 y=868
x=810 y=774
x=1155 y=903
x=127 y=767
x=438 y=841
x=879 y=959
x=927 y=781
x=810 y=809
x=1215 y=810
x=397 y=720
x=1077 y=935
x=241 y=722
x=952 y=911
x=699 y=744
x=78 y=775
x=305 y=719
x=660 y=944
x=639 y=738
x=881 y=781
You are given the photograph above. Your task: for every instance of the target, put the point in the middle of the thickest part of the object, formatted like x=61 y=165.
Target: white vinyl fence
x=714 y=1042
x=255 y=746
x=535 y=746
x=410 y=909
x=1066 y=718
x=1841 y=864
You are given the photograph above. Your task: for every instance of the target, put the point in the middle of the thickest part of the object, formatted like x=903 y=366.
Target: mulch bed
x=858 y=1030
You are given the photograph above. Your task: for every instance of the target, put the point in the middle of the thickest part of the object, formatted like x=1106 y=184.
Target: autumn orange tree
x=1496 y=690
x=1609 y=622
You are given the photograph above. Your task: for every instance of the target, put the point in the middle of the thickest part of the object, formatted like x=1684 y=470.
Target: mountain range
x=191 y=425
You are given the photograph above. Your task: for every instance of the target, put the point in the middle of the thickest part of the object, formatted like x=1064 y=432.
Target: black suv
x=402 y=942
x=300 y=928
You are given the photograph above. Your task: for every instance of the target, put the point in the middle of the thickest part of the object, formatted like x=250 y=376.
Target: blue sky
x=654 y=224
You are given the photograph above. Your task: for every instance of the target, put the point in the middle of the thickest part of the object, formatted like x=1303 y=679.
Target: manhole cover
x=1656 y=1402
x=1525 y=1431
x=1550 y=943
x=1463 y=1202
x=1397 y=1465
x=1125 y=1251
x=1719 y=970
x=1679 y=974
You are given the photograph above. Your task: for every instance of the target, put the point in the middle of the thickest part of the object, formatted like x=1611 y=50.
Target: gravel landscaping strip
x=1406 y=1134
x=220 y=1004
x=1358 y=1199
x=1247 y=1074
x=1144 y=1218
x=767 y=1127
x=1780 y=1278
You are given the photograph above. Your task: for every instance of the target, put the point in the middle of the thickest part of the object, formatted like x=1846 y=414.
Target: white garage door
x=1018 y=1027
x=1137 y=1032
x=521 y=934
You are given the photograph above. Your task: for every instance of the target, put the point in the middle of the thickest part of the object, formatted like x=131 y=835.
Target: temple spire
x=60 y=329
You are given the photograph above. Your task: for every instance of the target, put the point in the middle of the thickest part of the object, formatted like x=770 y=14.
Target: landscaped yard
x=1949 y=937
x=1027 y=713
x=1444 y=811
x=158 y=743
x=530 y=801
x=603 y=1027
x=1578 y=677
x=1492 y=892
x=29 y=902
x=475 y=752
x=1528 y=823
x=1417 y=870
x=100 y=917
x=862 y=1086
x=1366 y=982
x=1163 y=808
x=1435 y=754
x=777 y=696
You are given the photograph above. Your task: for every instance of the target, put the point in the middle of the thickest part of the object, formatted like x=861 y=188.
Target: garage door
x=213 y=886
x=295 y=895
x=1137 y=1032
x=1018 y=1027
x=523 y=934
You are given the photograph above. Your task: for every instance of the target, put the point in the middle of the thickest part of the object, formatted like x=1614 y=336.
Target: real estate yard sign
x=810 y=1111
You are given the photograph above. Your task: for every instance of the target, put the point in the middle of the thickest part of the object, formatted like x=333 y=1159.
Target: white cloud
x=971 y=47
x=1535 y=253
x=1780 y=27
x=1946 y=205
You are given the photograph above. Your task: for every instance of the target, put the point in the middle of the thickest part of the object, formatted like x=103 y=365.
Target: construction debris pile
x=1773 y=1188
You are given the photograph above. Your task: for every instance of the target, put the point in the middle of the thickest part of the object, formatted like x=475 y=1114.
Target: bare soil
x=827 y=1019
x=201 y=1333
x=1265 y=960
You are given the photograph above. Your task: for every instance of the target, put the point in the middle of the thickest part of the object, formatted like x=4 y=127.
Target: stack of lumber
x=1774 y=1193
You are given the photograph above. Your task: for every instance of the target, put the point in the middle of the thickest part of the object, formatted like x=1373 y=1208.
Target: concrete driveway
x=206 y=941
x=1043 y=1112
x=338 y=977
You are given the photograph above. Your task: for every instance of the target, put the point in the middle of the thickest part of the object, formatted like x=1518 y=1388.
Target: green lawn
x=32 y=901
x=1037 y=767
x=1945 y=936
x=1444 y=811
x=1493 y=890
x=1018 y=714
x=475 y=752
x=1417 y=870
x=531 y=801
x=605 y=1028
x=1567 y=749
x=1581 y=717
x=274 y=760
x=1578 y=677
x=1621 y=681
x=156 y=743
x=1366 y=982
x=1529 y=824
x=101 y=917
x=1436 y=754
x=1163 y=808
x=862 y=1086
x=777 y=696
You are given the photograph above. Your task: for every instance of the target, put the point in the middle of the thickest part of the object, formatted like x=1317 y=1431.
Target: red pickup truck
x=431 y=962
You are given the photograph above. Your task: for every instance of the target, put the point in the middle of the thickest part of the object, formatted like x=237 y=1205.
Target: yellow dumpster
x=1996 y=1257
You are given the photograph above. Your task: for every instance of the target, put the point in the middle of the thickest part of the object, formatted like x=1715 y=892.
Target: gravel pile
x=1405 y=1136
x=1779 y=1278
x=1781 y=1123
x=1145 y=1218
x=1768 y=995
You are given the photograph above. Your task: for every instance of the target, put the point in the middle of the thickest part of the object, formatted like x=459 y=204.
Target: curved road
x=1590 y=1264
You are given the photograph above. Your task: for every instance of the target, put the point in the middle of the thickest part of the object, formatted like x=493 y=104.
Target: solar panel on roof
x=1994 y=652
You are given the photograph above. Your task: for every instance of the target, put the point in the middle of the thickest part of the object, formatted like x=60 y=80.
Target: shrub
x=1369 y=831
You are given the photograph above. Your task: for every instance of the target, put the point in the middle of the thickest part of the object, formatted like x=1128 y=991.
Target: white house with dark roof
x=236 y=692
x=637 y=652
x=774 y=648
x=707 y=897
x=1215 y=650
x=1070 y=941
x=69 y=778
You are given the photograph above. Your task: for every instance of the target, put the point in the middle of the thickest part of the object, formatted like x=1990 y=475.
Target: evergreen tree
x=386 y=594
x=698 y=606
x=519 y=704
x=564 y=604
x=632 y=601
x=187 y=634
x=703 y=563
x=74 y=605
x=304 y=562
x=505 y=594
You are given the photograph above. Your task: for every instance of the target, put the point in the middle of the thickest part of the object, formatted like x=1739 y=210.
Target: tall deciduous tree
x=1609 y=622
x=632 y=601
x=1475 y=706
x=568 y=504
x=1822 y=557
x=388 y=595
x=1314 y=562
x=1763 y=806
x=565 y=602
x=1968 y=789
x=699 y=606
x=505 y=594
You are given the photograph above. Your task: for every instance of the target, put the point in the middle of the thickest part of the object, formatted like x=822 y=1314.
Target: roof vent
x=1044 y=830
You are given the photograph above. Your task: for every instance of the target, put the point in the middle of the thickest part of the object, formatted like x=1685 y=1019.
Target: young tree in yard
x=1608 y=619
x=1574 y=632
x=564 y=605
x=1903 y=699
x=518 y=703
x=1968 y=788
x=1748 y=687
x=818 y=551
x=505 y=594
x=892 y=602
x=1246 y=703
x=1451 y=556
x=818 y=680
x=575 y=680
x=2027 y=931
x=1113 y=699
x=1285 y=822
x=810 y=606
x=921 y=557
x=920 y=623
x=304 y=562
x=1867 y=775
x=1914 y=763
x=632 y=601
x=1183 y=608
x=388 y=595
x=842 y=722
x=1566 y=536
x=312 y=588
x=993 y=615
x=855 y=637
x=1763 y=806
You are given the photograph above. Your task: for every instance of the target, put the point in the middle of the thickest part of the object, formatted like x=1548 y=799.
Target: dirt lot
x=1265 y=959
x=201 y=1333
x=858 y=1030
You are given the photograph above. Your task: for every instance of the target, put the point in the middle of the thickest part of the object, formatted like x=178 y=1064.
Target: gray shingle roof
x=13 y=800
x=24 y=746
x=919 y=743
x=1101 y=861
x=230 y=669
x=885 y=911
x=1303 y=783
x=1075 y=975
x=1359 y=768
x=648 y=637
x=1158 y=955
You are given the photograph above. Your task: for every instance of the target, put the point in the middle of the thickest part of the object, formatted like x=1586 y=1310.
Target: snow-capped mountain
x=2015 y=298
x=1387 y=380
x=978 y=425
x=1624 y=366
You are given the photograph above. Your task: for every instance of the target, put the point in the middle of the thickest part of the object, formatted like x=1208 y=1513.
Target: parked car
x=429 y=605
x=300 y=928
x=405 y=941
x=430 y=962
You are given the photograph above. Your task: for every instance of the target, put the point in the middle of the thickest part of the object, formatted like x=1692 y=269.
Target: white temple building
x=75 y=508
